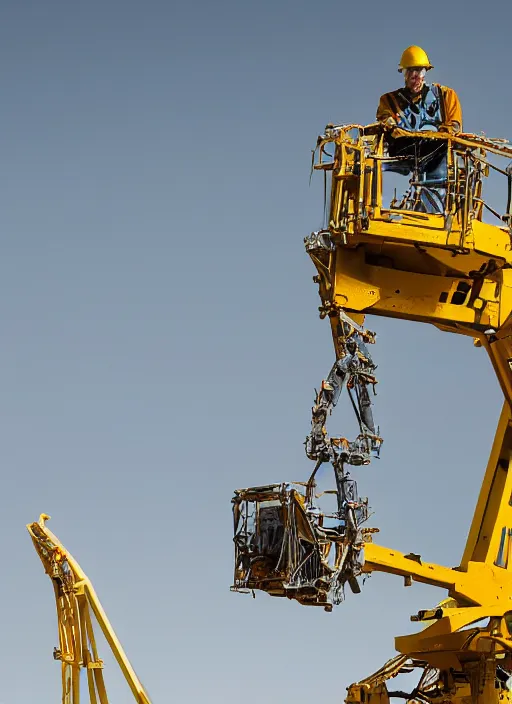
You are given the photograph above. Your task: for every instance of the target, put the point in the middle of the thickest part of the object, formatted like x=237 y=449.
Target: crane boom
x=76 y=599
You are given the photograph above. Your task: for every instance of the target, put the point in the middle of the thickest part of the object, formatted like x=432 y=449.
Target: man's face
x=415 y=78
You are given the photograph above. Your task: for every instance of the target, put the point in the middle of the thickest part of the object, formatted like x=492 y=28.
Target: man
x=420 y=106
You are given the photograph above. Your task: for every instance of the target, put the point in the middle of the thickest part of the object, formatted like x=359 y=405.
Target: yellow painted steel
x=453 y=270
x=75 y=599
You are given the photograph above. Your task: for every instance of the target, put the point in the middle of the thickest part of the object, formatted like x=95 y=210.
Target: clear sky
x=160 y=337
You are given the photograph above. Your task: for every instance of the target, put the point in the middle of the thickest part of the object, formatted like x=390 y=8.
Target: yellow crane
x=427 y=257
x=76 y=603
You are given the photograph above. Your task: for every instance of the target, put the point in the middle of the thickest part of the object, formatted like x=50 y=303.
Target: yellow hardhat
x=414 y=56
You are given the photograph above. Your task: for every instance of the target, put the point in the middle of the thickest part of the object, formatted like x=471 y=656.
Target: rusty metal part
x=354 y=369
x=287 y=546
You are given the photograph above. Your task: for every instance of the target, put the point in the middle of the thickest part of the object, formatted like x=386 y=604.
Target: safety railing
x=446 y=175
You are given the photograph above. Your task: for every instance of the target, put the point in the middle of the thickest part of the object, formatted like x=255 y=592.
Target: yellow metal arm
x=478 y=585
x=490 y=536
x=75 y=599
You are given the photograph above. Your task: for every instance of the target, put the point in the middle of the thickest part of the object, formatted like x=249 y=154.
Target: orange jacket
x=392 y=104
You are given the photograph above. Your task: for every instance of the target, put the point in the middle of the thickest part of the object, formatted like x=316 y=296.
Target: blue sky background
x=160 y=338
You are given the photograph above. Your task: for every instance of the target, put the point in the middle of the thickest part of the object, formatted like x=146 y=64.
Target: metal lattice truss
x=77 y=603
